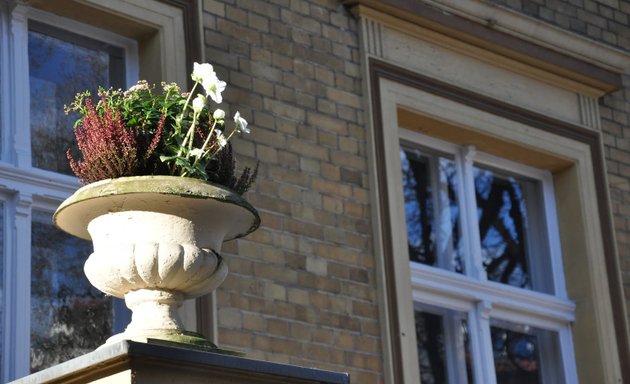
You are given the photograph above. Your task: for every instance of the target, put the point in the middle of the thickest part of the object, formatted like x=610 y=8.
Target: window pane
x=508 y=245
x=443 y=347
x=60 y=65
x=525 y=355
x=68 y=316
x=430 y=192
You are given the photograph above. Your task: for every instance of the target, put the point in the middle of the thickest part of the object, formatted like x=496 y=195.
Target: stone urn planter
x=157 y=241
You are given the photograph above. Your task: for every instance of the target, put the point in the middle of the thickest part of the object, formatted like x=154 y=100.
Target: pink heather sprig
x=157 y=136
x=109 y=149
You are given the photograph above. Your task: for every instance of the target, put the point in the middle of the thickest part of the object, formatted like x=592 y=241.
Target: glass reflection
x=60 y=65
x=68 y=316
x=443 y=347
x=431 y=210
x=521 y=353
x=502 y=214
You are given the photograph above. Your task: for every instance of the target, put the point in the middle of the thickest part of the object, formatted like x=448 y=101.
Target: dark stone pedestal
x=140 y=363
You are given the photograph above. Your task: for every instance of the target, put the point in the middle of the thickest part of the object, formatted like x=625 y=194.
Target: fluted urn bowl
x=157 y=241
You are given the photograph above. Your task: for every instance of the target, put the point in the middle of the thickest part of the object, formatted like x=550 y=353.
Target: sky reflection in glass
x=58 y=69
x=502 y=215
x=431 y=209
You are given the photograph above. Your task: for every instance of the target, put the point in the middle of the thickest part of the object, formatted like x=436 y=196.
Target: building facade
x=443 y=184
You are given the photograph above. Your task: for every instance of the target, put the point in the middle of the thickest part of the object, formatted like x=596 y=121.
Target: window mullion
x=19 y=92
x=470 y=228
x=444 y=258
x=19 y=288
x=455 y=347
x=481 y=343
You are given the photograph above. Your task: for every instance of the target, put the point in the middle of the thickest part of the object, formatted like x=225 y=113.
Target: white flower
x=196 y=152
x=170 y=87
x=213 y=88
x=221 y=138
x=219 y=115
x=204 y=74
x=202 y=71
x=141 y=85
x=241 y=124
x=199 y=103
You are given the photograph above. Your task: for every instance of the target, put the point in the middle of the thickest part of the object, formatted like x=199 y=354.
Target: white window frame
x=496 y=93
x=25 y=187
x=22 y=137
x=472 y=293
x=161 y=57
x=394 y=96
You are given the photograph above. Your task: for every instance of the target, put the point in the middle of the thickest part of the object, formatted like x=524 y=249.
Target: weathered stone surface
x=142 y=363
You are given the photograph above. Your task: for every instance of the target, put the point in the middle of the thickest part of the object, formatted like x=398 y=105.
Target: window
x=61 y=64
x=479 y=238
x=439 y=71
x=496 y=277
x=64 y=317
x=69 y=317
x=511 y=247
x=49 y=312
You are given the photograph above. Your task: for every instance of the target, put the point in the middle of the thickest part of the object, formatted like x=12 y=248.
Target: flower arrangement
x=142 y=131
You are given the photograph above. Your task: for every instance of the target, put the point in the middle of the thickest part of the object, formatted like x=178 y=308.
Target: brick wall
x=302 y=288
x=606 y=21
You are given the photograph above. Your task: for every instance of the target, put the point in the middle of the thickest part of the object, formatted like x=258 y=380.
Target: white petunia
x=221 y=138
x=241 y=124
x=202 y=71
x=214 y=87
x=196 y=152
x=205 y=75
x=219 y=115
x=199 y=103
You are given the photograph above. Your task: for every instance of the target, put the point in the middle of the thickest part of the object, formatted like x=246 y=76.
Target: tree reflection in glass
x=443 y=347
x=60 y=65
x=431 y=353
x=429 y=186
x=524 y=354
x=502 y=214
x=516 y=358
x=69 y=317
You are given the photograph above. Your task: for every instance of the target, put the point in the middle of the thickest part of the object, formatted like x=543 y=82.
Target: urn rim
x=143 y=193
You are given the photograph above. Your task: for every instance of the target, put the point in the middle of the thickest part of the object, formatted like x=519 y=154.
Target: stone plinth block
x=142 y=363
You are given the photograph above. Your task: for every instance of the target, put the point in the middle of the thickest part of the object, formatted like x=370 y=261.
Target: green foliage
x=145 y=131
